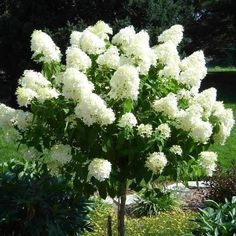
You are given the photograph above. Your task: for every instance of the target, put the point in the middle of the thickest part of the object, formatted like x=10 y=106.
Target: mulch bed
x=195 y=198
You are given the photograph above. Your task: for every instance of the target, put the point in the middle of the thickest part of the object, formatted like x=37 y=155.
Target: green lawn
x=227 y=153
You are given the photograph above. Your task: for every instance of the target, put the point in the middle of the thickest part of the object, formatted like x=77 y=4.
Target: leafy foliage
x=217 y=219
x=35 y=202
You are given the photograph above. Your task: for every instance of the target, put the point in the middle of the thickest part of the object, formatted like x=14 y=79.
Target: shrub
x=34 y=202
x=152 y=201
x=217 y=219
x=222 y=185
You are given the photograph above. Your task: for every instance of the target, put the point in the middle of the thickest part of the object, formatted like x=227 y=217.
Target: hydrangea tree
x=118 y=112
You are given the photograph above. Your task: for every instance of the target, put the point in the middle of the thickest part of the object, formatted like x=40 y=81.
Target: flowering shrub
x=119 y=111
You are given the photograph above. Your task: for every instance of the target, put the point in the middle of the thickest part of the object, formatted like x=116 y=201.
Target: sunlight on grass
x=222 y=69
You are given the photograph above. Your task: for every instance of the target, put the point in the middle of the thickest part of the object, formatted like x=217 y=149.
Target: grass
x=221 y=69
x=227 y=153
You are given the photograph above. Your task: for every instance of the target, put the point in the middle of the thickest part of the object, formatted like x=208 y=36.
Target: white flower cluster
x=190 y=121
x=31 y=153
x=167 y=55
x=174 y=35
x=75 y=38
x=193 y=70
x=206 y=100
x=7 y=116
x=110 y=58
x=34 y=85
x=91 y=40
x=136 y=48
x=156 y=162
x=164 y=130
x=75 y=84
x=125 y=83
x=145 y=130
x=44 y=48
x=101 y=29
x=176 y=149
x=91 y=43
x=167 y=105
x=128 y=120
x=226 y=122
x=61 y=153
x=76 y=58
x=124 y=37
x=208 y=161
x=100 y=169
x=10 y=117
x=92 y=109
x=23 y=119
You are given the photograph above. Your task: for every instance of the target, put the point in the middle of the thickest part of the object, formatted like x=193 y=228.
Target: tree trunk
x=121 y=210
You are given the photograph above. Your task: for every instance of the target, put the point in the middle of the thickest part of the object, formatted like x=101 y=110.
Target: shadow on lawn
x=224 y=82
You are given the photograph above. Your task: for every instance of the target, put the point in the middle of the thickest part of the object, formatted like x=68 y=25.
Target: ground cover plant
x=118 y=112
x=165 y=224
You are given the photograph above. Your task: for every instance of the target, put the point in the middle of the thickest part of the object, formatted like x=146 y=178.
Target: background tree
x=18 y=19
x=214 y=30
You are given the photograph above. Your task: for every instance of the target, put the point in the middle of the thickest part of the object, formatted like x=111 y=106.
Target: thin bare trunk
x=121 y=210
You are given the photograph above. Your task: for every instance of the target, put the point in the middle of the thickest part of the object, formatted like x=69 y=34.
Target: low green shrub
x=171 y=223
x=153 y=200
x=35 y=202
x=217 y=219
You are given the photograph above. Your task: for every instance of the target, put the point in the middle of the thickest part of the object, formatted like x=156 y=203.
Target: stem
x=121 y=209
x=109 y=226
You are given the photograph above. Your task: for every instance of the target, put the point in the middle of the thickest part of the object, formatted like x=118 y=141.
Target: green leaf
x=128 y=105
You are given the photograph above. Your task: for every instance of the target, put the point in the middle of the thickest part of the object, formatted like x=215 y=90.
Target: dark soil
x=195 y=198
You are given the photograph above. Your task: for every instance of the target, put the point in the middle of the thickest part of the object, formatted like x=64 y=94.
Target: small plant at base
x=151 y=201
